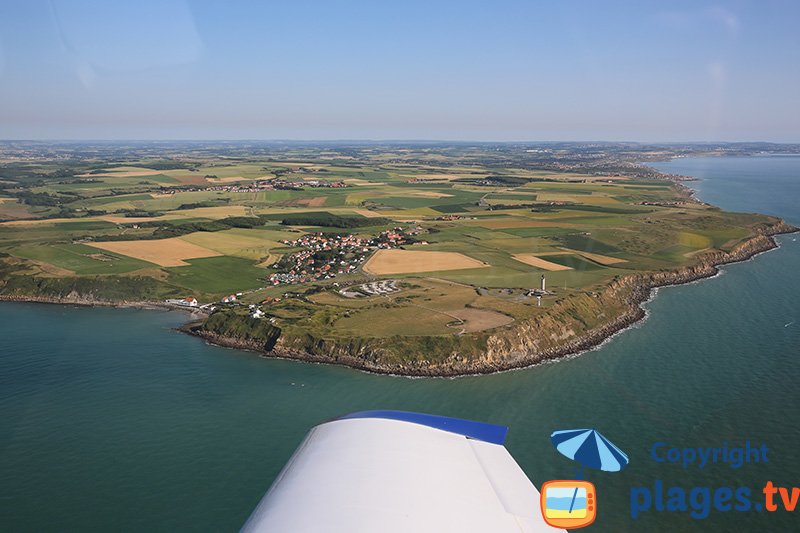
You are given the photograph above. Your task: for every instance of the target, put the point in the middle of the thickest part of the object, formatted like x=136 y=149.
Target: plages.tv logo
x=572 y=504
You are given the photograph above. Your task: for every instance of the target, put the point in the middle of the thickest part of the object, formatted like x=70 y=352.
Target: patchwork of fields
x=482 y=237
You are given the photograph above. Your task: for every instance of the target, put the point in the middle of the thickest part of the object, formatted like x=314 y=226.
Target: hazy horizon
x=405 y=141
x=511 y=71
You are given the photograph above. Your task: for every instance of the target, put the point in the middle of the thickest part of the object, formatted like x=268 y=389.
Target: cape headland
x=559 y=334
x=414 y=260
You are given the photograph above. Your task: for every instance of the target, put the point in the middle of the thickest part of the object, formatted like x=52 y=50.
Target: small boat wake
x=788 y=324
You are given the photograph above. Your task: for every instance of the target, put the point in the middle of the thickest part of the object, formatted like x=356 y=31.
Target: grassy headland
x=413 y=261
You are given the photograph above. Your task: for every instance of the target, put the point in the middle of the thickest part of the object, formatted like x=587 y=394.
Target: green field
x=80 y=259
x=217 y=275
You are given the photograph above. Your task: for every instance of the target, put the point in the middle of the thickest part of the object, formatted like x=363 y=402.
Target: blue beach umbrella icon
x=590 y=449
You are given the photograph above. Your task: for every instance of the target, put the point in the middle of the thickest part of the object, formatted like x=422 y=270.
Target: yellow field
x=359 y=182
x=431 y=194
x=233 y=242
x=127 y=220
x=530 y=259
x=597 y=258
x=124 y=168
x=554 y=197
x=228 y=179
x=125 y=172
x=186 y=177
x=200 y=212
x=163 y=252
x=367 y=213
x=411 y=261
x=512 y=192
x=411 y=213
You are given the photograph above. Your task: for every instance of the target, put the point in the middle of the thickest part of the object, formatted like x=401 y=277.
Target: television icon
x=568 y=504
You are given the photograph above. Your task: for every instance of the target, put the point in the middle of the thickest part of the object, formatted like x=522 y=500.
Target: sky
x=429 y=70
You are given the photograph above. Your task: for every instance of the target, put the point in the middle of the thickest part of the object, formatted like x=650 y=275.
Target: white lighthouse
x=542 y=287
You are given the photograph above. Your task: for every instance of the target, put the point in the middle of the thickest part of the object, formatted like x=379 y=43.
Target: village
x=258 y=186
x=323 y=257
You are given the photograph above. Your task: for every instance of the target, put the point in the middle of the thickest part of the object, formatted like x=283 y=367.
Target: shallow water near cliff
x=111 y=420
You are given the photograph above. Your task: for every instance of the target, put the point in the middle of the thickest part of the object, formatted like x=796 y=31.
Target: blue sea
x=112 y=421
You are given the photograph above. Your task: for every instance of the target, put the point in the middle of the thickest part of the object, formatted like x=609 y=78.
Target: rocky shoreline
x=88 y=301
x=508 y=354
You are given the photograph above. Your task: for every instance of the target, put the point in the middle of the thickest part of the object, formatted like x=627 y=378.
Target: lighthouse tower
x=542 y=287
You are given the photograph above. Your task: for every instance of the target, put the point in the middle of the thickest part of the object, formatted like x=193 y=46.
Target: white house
x=185 y=302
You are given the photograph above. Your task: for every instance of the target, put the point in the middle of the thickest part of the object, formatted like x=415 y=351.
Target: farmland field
x=530 y=259
x=217 y=275
x=81 y=259
x=408 y=261
x=463 y=236
x=236 y=242
x=163 y=252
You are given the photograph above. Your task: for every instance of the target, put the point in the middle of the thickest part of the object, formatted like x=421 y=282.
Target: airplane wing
x=394 y=471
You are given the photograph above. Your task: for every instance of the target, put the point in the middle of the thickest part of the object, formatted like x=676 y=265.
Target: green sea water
x=112 y=421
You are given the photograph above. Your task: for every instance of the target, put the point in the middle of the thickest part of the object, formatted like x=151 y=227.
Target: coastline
x=636 y=288
x=640 y=289
x=81 y=301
